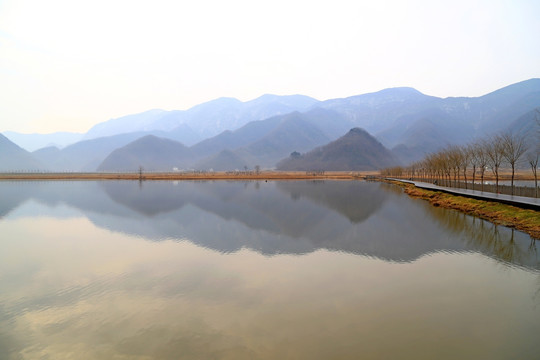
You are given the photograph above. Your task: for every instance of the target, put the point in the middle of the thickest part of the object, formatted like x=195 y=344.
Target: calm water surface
x=258 y=270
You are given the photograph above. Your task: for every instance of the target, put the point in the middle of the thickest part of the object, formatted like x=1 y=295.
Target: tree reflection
x=491 y=239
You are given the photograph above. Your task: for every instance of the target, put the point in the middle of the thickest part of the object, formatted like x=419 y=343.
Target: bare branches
x=449 y=165
x=513 y=148
x=532 y=158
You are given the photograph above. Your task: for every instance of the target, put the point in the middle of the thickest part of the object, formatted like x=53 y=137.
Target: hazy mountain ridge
x=376 y=111
x=32 y=142
x=206 y=119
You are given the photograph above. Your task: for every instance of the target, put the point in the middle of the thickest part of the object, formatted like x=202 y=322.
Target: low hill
x=150 y=152
x=232 y=140
x=47 y=155
x=84 y=155
x=223 y=161
x=294 y=132
x=14 y=158
x=355 y=151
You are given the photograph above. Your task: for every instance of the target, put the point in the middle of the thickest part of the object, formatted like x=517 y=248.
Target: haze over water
x=258 y=270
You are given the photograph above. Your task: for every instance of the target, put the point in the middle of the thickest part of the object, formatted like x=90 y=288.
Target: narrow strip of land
x=523 y=219
x=519 y=201
x=230 y=175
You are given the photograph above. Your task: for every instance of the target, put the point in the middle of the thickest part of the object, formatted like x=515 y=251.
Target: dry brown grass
x=264 y=175
x=524 y=220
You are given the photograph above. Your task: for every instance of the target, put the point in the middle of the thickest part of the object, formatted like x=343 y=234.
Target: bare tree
x=532 y=158
x=494 y=151
x=534 y=155
x=490 y=152
x=444 y=163
x=453 y=154
x=465 y=160
x=513 y=148
x=480 y=149
x=474 y=161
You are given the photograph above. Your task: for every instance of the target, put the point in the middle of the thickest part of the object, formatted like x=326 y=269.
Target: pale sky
x=66 y=65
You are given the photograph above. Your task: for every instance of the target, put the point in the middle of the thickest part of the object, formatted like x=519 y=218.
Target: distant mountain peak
x=358 y=131
x=355 y=151
x=400 y=89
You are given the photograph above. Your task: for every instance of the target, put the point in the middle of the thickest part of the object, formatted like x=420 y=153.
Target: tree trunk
x=482 y=179
x=473 y=176
x=497 y=180
x=512 y=181
x=535 y=183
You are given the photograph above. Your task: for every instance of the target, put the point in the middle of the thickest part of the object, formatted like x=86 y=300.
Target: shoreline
x=222 y=175
x=152 y=176
x=525 y=220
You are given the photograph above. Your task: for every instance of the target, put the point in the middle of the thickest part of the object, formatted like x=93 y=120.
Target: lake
x=258 y=270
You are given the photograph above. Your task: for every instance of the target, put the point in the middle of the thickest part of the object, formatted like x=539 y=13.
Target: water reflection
x=76 y=283
x=106 y=295
x=295 y=217
x=502 y=243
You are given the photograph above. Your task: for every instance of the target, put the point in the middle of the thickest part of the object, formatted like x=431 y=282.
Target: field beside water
x=229 y=175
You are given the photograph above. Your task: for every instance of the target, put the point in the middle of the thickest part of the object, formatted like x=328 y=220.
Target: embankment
x=525 y=220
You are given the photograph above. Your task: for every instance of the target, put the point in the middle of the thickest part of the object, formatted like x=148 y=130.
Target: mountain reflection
x=289 y=217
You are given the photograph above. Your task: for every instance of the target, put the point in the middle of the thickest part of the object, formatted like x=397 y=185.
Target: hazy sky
x=66 y=65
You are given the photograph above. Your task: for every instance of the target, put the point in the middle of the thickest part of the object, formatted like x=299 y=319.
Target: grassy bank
x=524 y=220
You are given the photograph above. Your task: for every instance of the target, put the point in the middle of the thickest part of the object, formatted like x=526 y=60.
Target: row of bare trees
x=453 y=163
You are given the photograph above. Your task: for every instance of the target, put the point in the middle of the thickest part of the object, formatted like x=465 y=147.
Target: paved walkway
x=520 y=201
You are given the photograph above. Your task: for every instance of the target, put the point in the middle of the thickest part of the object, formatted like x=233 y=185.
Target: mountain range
x=224 y=133
x=262 y=143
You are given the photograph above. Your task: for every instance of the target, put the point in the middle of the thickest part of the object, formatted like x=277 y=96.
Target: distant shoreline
x=222 y=175
x=229 y=175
